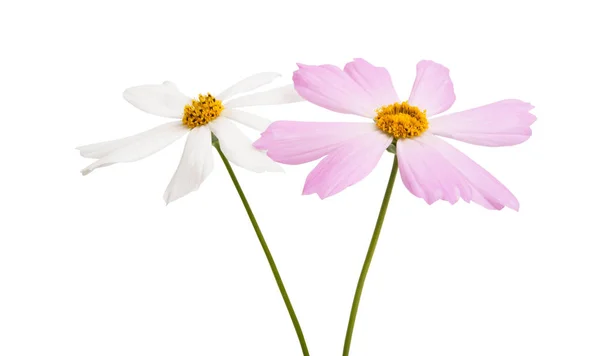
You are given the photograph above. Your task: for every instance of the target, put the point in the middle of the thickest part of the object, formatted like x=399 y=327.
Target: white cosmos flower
x=197 y=118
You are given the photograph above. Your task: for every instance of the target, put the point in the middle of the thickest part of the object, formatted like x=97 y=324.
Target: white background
x=97 y=265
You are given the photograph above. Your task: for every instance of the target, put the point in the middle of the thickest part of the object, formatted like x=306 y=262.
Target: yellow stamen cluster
x=202 y=111
x=401 y=120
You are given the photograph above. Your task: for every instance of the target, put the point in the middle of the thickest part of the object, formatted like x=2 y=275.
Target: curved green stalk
x=370 y=252
x=263 y=243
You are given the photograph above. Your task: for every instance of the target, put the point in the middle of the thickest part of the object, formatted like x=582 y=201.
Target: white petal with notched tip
x=136 y=147
x=248 y=84
x=195 y=165
x=162 y=99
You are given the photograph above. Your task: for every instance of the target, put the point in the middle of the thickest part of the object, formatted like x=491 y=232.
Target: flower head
x=430 y=168
x=199 y=119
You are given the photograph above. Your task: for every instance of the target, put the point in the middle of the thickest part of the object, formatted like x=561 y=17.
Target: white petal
x=247 y=84
x=101 y=149
x=253 y=121
x=162 y=99
x=136 y=147
x=238 y=148
x=282 y=95
x=195 y=165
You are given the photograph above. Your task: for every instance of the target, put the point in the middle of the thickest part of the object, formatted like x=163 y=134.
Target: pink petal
x=433 y=169
x=503 y=123
x=432 y=90
x=330 y=87
x=428 y=175
x=347 y=165
x=487 y=203
x=374 y=80
x=296 y=142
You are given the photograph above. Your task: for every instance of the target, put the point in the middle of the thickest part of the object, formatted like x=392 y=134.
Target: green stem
x=263 y=243
x=370 y=252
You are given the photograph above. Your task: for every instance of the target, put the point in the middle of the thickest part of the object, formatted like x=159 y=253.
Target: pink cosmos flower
x=430 y=167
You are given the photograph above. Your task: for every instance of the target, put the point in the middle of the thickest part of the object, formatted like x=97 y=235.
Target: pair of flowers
x=430 y=168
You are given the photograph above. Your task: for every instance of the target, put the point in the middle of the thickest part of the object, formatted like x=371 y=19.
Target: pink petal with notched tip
x=347 y=164
x=429 y=175
x=434 y=170
x=297 y=142
x=330 y=87
x=503 y=123
x=374 y=80
x=432 y=90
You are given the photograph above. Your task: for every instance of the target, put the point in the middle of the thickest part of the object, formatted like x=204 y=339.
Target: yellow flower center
x=202 y=111
x=401 y=120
